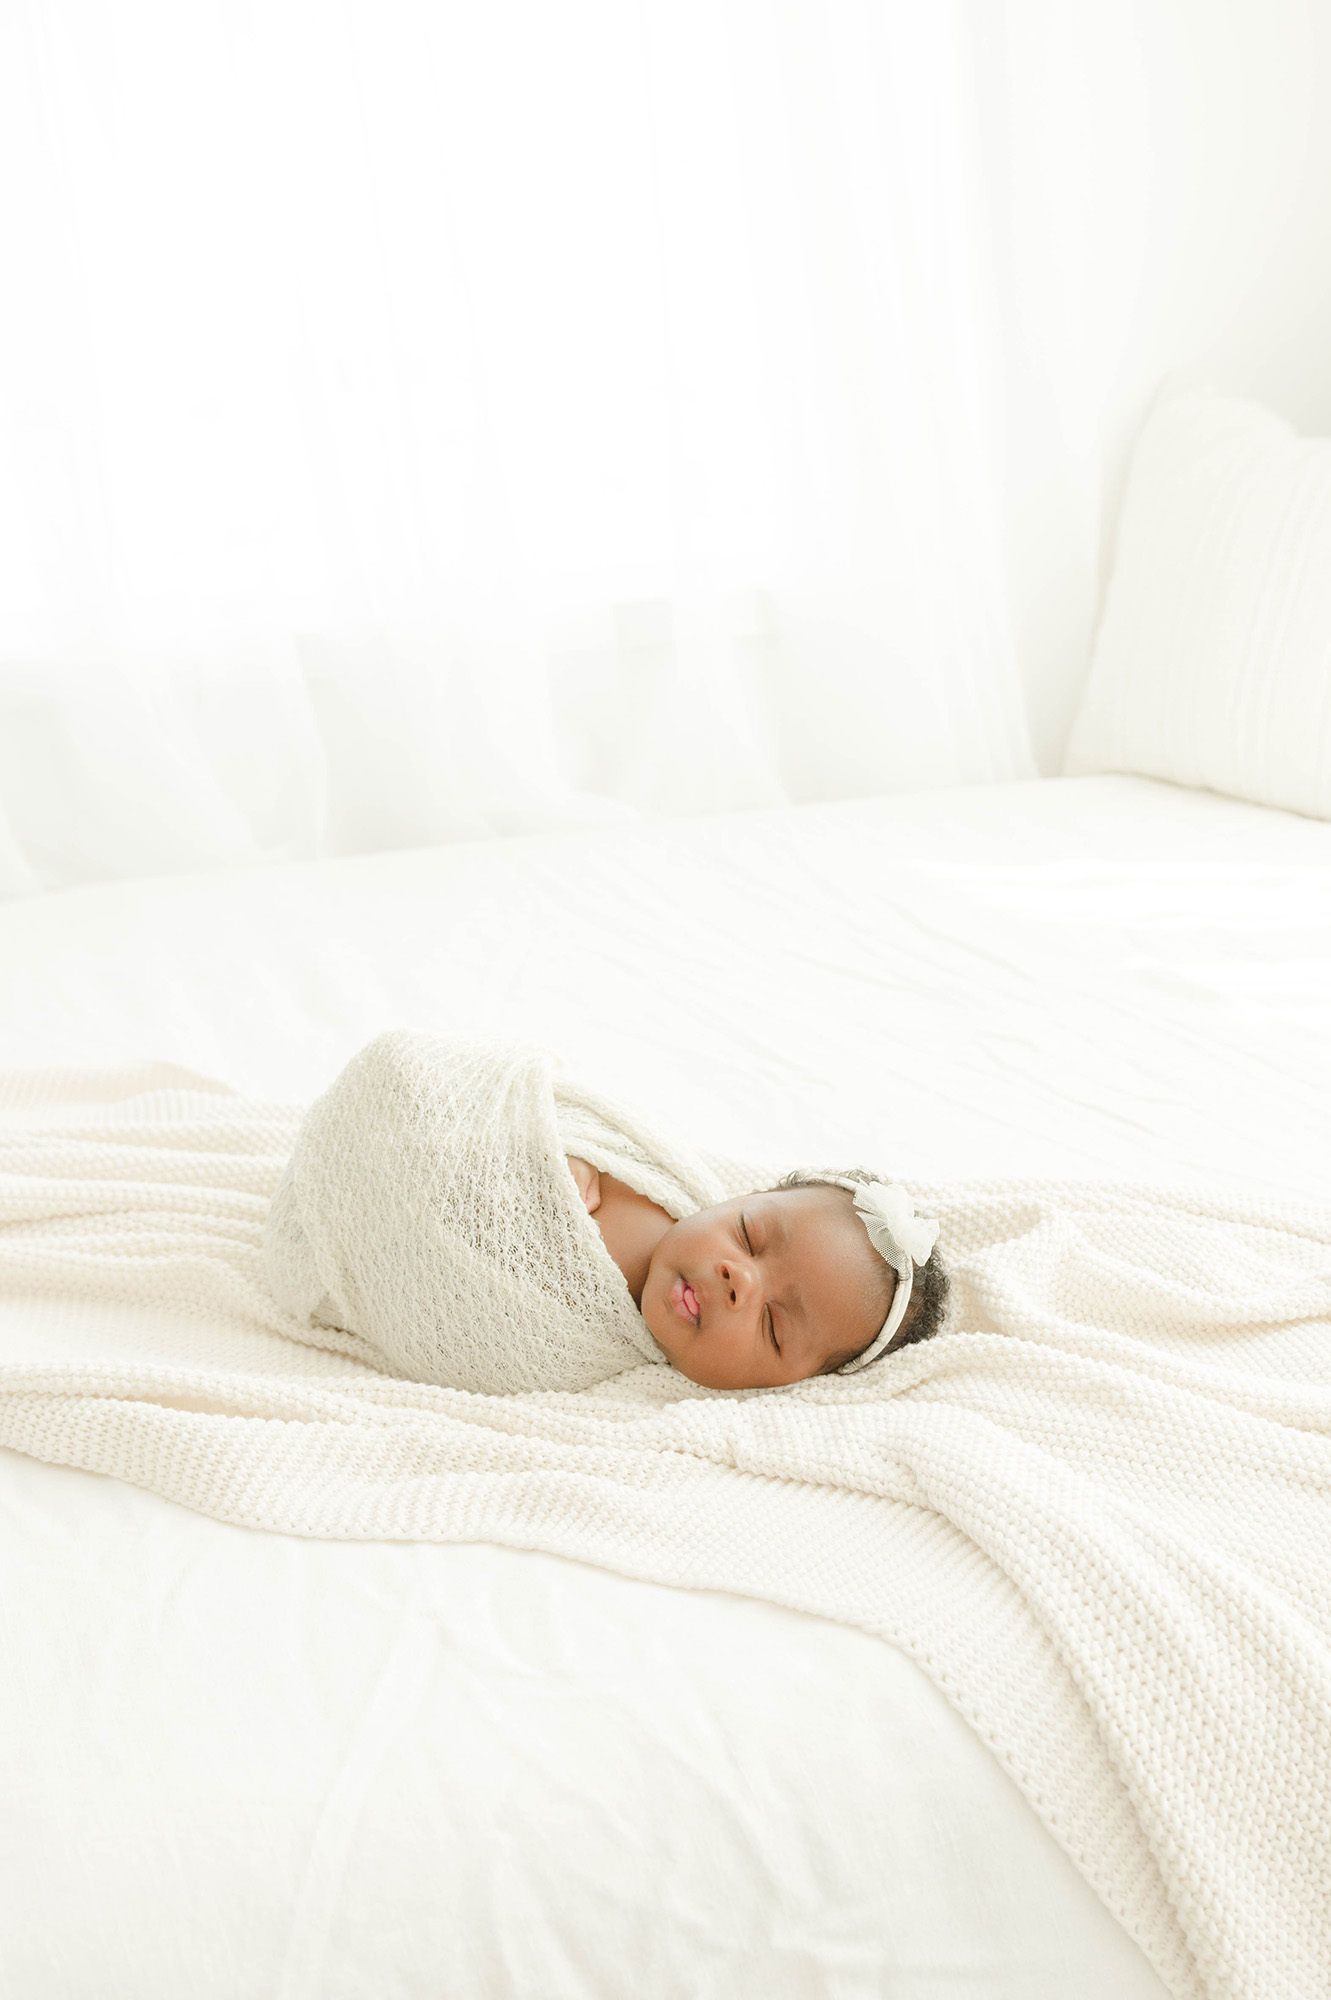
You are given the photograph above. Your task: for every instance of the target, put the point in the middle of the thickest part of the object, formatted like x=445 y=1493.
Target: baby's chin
x=666 y=1329
x=675 y=1337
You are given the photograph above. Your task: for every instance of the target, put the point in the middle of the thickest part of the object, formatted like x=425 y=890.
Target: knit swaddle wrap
x=429 y=1209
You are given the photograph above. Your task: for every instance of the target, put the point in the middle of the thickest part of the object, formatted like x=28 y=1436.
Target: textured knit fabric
x=429 y=1208
x=1098 y=1513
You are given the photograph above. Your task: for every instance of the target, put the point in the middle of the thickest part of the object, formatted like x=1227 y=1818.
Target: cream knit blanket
x=428 y=1207
x=1098 y=1516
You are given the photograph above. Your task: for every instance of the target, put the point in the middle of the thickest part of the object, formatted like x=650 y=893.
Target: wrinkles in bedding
x=1087 y=977
x=241 y=1766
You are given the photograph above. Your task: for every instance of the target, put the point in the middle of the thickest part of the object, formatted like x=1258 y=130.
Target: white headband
x=902 y=1239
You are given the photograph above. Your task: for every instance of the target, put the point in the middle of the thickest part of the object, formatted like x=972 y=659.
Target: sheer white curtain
x=421 y=419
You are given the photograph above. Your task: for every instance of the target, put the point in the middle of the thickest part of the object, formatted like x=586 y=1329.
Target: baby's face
x=766 y=1289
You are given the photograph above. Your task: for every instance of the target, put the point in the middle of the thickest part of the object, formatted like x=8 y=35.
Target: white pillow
x=1212 y=663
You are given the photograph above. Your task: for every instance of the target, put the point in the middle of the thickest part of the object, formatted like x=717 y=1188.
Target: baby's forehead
x=807 y=1198
x=802 y=1217
x=826 y=1257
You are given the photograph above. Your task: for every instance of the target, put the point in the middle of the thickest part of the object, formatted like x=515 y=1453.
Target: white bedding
x=245 y=1765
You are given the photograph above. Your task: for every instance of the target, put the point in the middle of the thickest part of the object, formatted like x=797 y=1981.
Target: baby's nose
x=737 y=1280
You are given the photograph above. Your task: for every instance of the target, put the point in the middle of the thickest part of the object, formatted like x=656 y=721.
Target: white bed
x=243 y=1765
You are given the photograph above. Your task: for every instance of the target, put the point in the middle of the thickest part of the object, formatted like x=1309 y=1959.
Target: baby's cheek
x=655 y=1305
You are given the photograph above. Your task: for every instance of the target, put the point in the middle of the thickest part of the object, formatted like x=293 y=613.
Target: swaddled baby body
x=766 y=1288
x=475 y=1218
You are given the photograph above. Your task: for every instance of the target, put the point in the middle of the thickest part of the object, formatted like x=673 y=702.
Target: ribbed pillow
x=1212 y=664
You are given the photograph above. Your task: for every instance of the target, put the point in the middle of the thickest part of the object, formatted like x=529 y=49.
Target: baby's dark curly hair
x=929 y=1292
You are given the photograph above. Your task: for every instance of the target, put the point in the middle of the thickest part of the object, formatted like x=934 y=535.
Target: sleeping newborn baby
x=816 y=1276
x=474 y=1217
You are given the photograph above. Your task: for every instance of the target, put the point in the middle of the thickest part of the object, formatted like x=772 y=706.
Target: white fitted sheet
x=243 y=1765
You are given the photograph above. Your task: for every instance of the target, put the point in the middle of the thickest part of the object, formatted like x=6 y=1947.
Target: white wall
x=1156 y=176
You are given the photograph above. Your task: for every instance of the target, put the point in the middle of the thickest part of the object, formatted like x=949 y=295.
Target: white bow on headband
x=898 y=1234
x=902 y=1239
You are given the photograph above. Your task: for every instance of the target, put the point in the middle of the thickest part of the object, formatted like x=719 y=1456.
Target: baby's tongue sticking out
x=684 y=1300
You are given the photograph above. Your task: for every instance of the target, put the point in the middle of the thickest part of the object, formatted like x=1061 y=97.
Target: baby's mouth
x=684 y=1301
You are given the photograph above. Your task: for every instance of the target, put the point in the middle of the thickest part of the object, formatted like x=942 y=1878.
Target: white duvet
x=1072 y=1048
